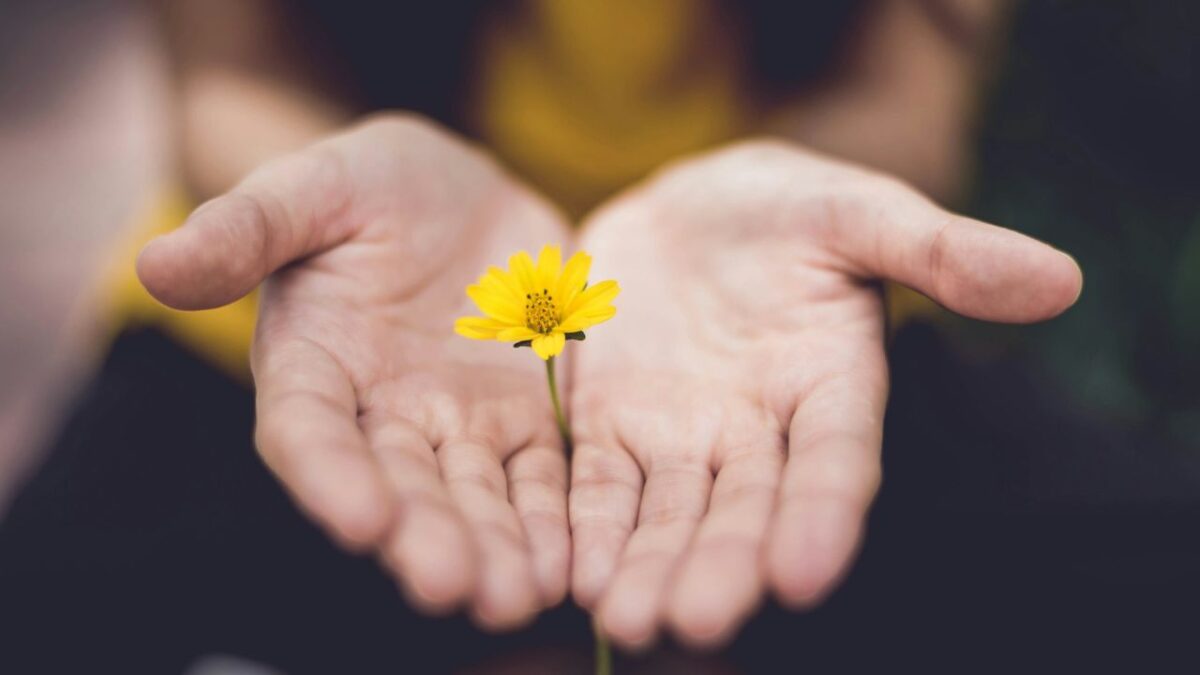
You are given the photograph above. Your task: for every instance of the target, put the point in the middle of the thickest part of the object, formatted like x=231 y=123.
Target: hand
x=398 y=436
x=728 y=422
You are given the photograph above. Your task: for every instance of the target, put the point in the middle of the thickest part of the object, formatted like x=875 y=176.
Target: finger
x=287 y=209
x=506 y=595
x=308 y=435
x=537 y=487
x=429 y=547
x=973 y=268
x=831 y=477
x=606 y=488
x=720 y=580
x=675 y=499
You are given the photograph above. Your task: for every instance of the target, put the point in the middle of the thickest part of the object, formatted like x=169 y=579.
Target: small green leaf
x=523 y=343
x=577 y=335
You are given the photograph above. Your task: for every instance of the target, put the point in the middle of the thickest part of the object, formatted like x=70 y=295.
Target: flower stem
x=603 y=651
x=564 y=429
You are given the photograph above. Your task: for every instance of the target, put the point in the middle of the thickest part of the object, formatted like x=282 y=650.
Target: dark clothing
x=153 y=536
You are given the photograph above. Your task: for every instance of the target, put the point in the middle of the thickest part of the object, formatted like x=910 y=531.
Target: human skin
x=728 y=420
x=902 y=101
x=437 y=454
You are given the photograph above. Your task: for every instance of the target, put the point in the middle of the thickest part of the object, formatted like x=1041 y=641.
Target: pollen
x=541 y=314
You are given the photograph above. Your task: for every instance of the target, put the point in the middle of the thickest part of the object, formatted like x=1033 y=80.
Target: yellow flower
x=539 y=305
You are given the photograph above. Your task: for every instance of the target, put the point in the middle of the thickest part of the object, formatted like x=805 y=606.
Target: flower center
x=540 y=313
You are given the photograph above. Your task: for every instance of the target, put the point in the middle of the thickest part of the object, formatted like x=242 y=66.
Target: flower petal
x=503 y=283
x=520 y=265
x=546 y=346
x=549 y=265
x=497 y=306
x=596 y=296
x=574 y=278
x=478 y=327
x=517 y=334
x=585 y=319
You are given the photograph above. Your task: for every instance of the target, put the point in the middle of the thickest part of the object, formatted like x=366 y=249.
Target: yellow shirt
x=580 y=97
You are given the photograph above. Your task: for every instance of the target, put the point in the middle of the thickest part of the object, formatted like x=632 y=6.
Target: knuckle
x=765 y=149
x=845 y=479
x=538 y=478
x=604 y=467
x=937 y=255
x=327 y=175
x=403 y=127
x=669 y=514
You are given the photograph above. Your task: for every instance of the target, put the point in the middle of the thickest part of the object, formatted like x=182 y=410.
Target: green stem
x=564 y=429
x=603 y=651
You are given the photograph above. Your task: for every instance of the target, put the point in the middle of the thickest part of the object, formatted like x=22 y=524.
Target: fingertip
x=507 y=595
x=156 y=271
x=439 y=591
x=627 y=624
x=588 y=579
x=594 y=561
x=340 y=491
x=808 y=557
x=433 y=559
x=698 y=625
x=502 y=620
x=214 y=258
x=707 y=634
x=505 y=604
x=551 y=563
x=1069 y=286
x=797 y=590
x=996 y=274
x=632 y=609
x=358 y=518
x=1058 y=283
x=711 y=599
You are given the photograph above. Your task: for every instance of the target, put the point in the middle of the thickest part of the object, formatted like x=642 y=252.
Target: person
x=728 y=421
x=743 y=384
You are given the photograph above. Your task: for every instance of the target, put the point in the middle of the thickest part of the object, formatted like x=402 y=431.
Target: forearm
x=244 y=91
x=906 y=96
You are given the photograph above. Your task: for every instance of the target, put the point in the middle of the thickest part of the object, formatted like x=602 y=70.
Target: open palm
x=728 y=425
x=438 y=453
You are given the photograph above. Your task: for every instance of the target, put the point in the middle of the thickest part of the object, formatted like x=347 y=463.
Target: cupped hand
x=728 y=422
x=437 y=453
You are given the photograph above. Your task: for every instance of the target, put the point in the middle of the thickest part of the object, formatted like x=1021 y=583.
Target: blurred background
x=1043 y=483
x=83 y=144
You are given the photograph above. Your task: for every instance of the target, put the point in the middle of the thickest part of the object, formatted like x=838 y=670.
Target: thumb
x=968 y=266
x=287 y=209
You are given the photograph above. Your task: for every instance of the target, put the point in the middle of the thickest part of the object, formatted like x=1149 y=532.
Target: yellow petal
x=521 y=267
x=517 y=334
x=546 y=346
x=549 y=265
x=596 y=296
x=503 y=283
x=584 y=320
x=573 y=279
x=499 y=307
x=478 y=327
